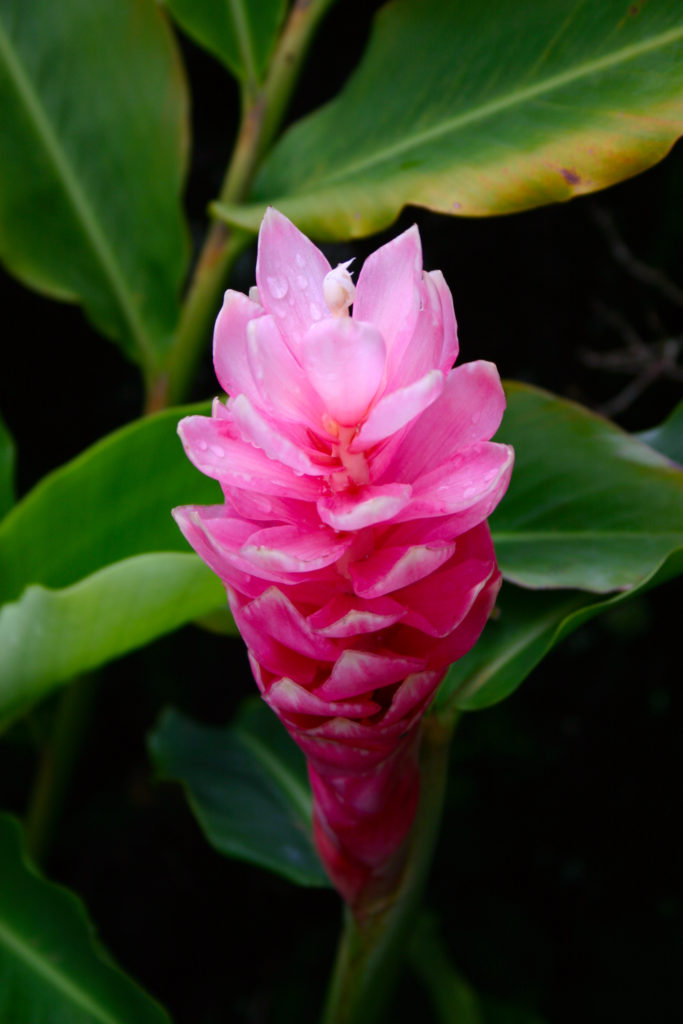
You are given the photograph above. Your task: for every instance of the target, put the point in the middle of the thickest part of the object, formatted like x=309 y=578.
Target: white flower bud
x=339 y=290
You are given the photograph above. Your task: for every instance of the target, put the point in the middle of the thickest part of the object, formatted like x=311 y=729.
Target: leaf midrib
x=244 y=41
x=284 y=779
x=408 y=143
x=12 y=941
x=75 y=193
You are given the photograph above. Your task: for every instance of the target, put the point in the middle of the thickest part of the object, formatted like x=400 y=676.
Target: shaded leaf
x=463 y=122
x=52 y=969
x=589 y=506
x=247 y=786
x=453 y=999
x=241 y=33
x=49 y=636
x=112 y=501
x=667 y=438
x=6 y=469
x=92 y=159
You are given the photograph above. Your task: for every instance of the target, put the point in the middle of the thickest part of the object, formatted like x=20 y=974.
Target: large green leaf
x=247 y=786
x=111 y=502
x=52 y=969
x=482 y=108
x=49 y=636
x=92 y=158
x=241 y=33
x=6 y=469
x=589 y=506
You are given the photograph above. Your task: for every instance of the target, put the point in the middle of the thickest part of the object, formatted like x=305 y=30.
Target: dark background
x=557 y=878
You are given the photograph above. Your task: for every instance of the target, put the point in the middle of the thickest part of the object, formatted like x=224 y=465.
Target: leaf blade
x=7 y=459
x=52 y=970
x=247 y=786
x=480 y=135
x=94 y=249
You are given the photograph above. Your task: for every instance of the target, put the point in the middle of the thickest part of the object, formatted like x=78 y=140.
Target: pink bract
x=358 y=474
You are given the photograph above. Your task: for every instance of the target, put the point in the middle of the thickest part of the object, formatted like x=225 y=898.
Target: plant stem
x=56 y=765
x=263 y=108
x=370 y=951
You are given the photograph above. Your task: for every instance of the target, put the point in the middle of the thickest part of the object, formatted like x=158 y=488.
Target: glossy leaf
x=589 y=506
x=6 y=469
x=481 y=108
x=92 y=160
x=668 y=437
x=241 y=33
x=247 y=786
x=52 y=969
x=526 y=626
x=111 y=502
x=49 y=636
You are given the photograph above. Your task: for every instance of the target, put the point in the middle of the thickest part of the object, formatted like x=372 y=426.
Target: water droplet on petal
x=315 y=312
x=302 y=281
x=218 y=451
x=476 y=416
x=469 y=491
x=202 y=445
x=277 y=286
x=299 y=260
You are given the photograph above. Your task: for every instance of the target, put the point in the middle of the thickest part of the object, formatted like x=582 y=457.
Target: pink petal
x=347 y=615
x=268 y=436
x=396 y=409
x=449 y=348
x=289 y=274
x=344 y=360
x=388 y=291
x=390 y=569
x=440 y=603
x=270 y=654
x=412 y=695
x=465 y=636
x=288 y=549
x=468 y=410
x=283 y=386
x=474 y=479
x=212 y=448
x=275 y=614
x=230 y=343
x=370 y=505
x=358 y=672
x=288 y=698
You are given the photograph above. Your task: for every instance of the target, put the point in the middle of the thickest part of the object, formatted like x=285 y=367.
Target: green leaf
x=589 y=506
x=111 y=502
x=247 y=786
x=49 y=636
x=92 y=161
x=241 y=33
x=453 y=999
x=52 y=969
x=667 y=438
x=481 y=108
x=527 y=625
x=6 y=469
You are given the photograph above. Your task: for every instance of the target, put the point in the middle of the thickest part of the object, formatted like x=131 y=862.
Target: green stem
x=370 y=950
x=263 y=108
x=56 y=765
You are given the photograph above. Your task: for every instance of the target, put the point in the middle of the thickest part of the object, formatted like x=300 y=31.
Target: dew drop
x=315 y=312
x=302 y=281
x=218 y=451
x=476 y=416
x=277 y=286
x=469 y=491
x=299 y=260
x=202 y=445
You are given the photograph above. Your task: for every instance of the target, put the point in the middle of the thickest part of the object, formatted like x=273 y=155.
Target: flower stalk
x=372 y=947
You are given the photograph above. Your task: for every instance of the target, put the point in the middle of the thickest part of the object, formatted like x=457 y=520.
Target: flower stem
x=56 y=765
x=263 y=108
x=371 y=950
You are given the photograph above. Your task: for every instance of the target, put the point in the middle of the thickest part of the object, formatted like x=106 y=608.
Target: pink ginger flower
x=358 y=475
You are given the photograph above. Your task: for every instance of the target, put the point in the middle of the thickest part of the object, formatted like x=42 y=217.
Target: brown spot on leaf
x=634 y=9
x=571 y=177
